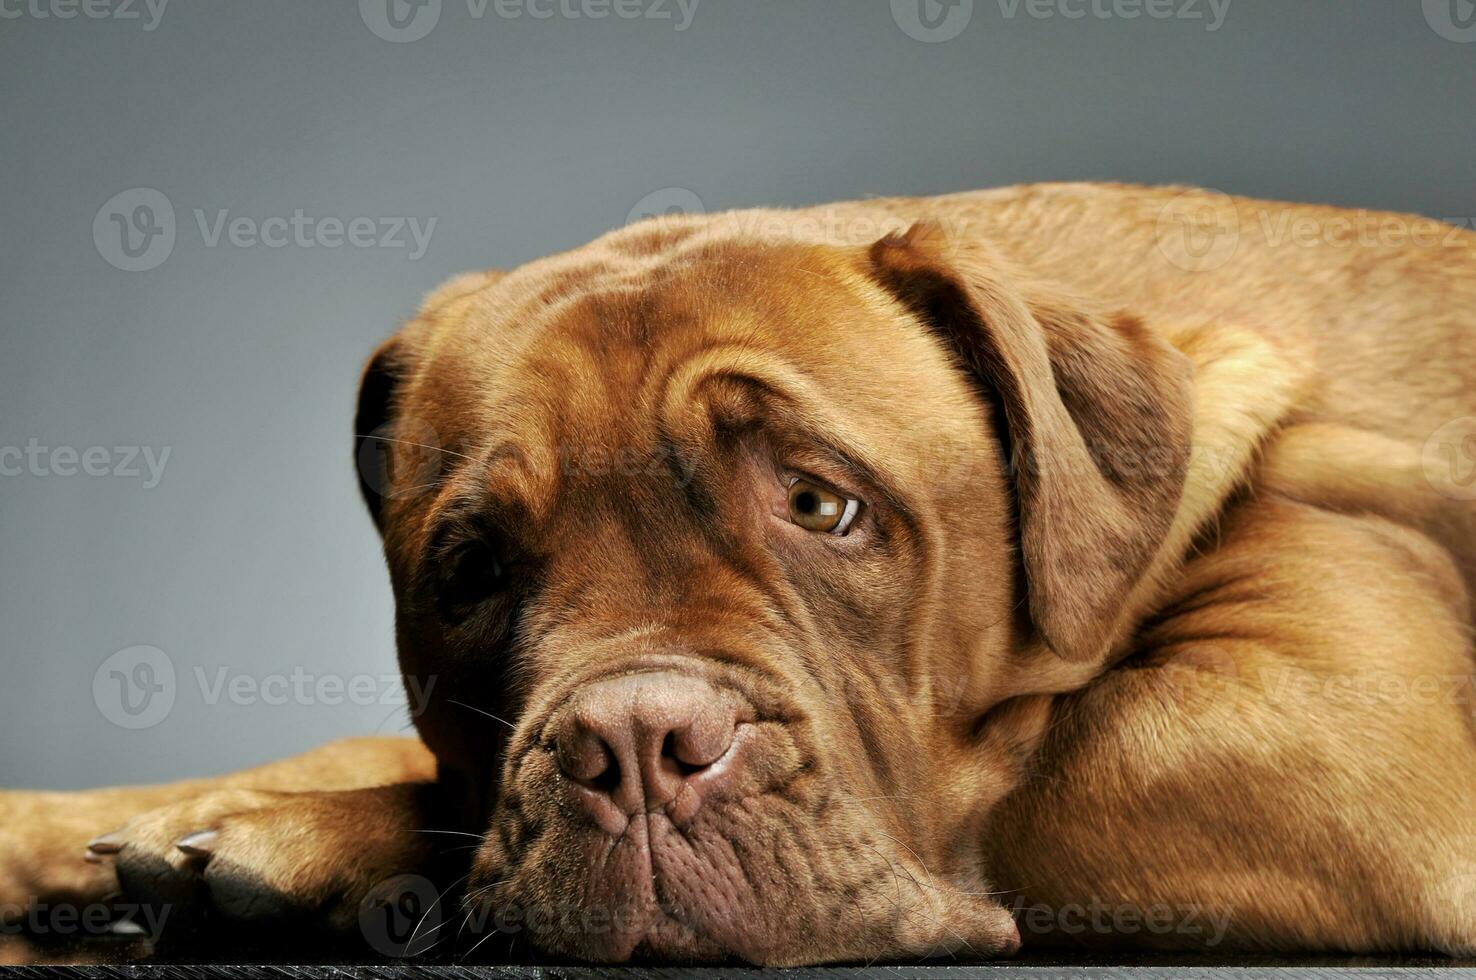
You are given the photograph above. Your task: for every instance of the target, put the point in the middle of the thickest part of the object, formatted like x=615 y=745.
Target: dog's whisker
x=458 y=833
x=482 y=712
x=414 y=933
x=905 y=909
x=469 y=903
x=472 y=897
x=391 y=714
x=401 y=492
x=952 y=932
x=417 y=445
x=465 y=919
x=478 y=943
x=914 y=854
x=898 y=900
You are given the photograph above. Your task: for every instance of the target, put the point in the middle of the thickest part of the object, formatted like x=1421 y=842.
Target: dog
x=1066 y=565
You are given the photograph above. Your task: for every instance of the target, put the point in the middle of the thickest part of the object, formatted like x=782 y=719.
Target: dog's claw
x=197 y=844
x=106 y=844
x=125 y=927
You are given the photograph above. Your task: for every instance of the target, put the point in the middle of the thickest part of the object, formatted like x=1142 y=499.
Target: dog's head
x=730 y=558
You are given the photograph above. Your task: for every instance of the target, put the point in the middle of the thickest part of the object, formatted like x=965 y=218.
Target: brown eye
x=467 y=576
x=815 y=508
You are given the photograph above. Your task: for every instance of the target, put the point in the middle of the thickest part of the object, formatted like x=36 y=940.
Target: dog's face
x=720 y=566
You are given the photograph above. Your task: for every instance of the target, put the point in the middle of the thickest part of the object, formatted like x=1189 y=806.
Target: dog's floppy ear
x=381 y=379
x=384 y=443
x=1096 y=411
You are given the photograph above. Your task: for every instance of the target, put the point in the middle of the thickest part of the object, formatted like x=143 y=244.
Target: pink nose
x=646 y=742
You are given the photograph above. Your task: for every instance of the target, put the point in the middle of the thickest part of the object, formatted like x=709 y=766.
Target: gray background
x=520 y=136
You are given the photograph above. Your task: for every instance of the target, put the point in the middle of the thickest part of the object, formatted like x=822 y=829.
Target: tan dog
x=878 y=580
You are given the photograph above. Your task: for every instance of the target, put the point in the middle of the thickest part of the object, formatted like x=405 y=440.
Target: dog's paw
x=255 y=857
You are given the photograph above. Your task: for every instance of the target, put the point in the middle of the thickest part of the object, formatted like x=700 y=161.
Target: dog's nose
x=646 y=741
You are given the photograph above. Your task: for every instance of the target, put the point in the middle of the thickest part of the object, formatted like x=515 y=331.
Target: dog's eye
x=470 y=574
x=815 y=508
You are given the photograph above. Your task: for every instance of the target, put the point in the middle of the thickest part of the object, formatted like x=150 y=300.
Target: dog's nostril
x=606 y=780
x=669 y=751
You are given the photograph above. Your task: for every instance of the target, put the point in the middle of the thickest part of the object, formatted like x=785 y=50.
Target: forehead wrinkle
x=683 y=410
x=525 y=471
x=802 y=405
x=522 y=429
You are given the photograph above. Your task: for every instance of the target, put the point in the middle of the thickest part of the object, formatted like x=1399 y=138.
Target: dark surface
x=299 y=958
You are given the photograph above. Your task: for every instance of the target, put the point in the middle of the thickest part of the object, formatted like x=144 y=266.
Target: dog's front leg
x=334 y=814
x=242 y=856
